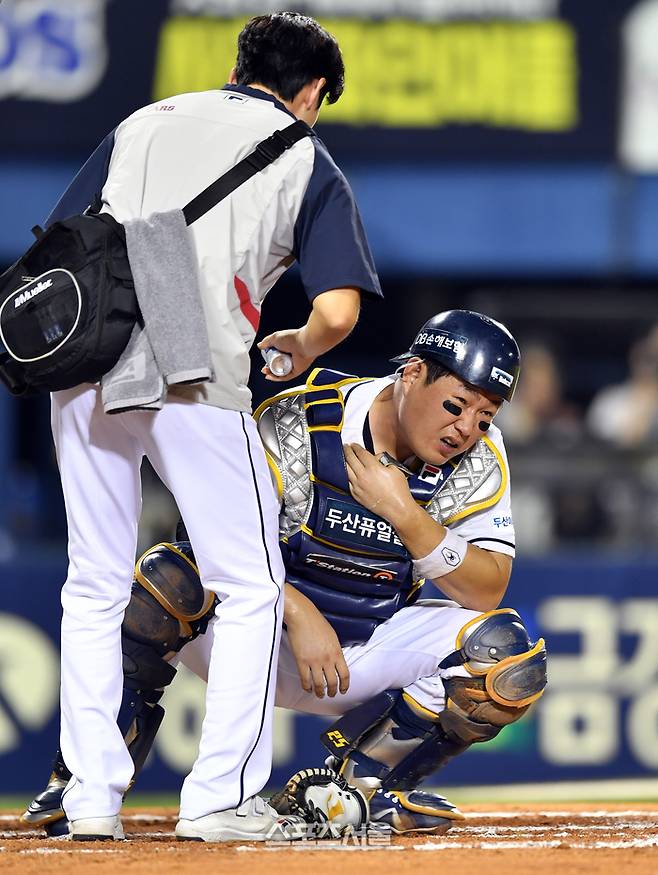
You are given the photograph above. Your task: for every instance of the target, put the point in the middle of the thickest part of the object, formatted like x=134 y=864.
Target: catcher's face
x=442 y=419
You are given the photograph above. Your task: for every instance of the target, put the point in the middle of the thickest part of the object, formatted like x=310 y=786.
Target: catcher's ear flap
x=321 y=796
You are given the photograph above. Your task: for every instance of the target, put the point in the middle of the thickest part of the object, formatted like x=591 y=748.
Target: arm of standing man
x=332 y=318
x=335 y=265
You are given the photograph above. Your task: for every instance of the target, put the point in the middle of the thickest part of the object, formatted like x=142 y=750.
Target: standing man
x=203 y=443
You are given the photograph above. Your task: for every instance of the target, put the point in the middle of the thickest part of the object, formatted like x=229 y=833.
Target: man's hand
x=316 y=648
x=478 y=584
x=333 y=316
x=292 y=341
x=383 y=490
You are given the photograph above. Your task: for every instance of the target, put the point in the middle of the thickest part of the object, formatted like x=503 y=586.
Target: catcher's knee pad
x=168 y=607
x=168 y=573
x=507 y=673
x=166 y=577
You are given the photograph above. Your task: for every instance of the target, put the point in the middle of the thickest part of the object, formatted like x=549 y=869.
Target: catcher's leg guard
x=139 y=720
x=413 y=811
x=46 y=808
x=375 y=739
x=392 y=743
x=168 y=607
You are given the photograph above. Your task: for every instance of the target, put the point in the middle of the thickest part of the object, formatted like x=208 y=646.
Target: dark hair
x=435 y=370
x=286 y=51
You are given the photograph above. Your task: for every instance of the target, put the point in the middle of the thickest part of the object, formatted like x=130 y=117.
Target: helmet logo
x=445 y=340
x=501 y=376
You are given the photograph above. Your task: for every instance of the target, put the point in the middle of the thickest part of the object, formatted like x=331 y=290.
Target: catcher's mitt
x=321 y=796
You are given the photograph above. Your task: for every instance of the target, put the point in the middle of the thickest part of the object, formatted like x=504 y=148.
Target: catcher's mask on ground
x=321 y=796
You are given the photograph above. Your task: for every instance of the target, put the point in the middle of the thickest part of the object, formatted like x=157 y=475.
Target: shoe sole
x=231 y=834
x=78 y=830
x=226 y=835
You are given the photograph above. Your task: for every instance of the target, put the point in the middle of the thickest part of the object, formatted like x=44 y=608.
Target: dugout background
x=504 y=154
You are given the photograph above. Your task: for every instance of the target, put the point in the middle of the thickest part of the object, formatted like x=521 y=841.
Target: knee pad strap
x=143 y=667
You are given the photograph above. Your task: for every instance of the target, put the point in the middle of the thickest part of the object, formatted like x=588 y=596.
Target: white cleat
x=253 y=821
x=96 y=829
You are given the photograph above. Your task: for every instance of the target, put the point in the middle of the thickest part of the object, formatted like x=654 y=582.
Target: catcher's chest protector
x=345 y=558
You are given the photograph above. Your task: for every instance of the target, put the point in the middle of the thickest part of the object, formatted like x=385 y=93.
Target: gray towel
x=135 y=381
x=173 y=346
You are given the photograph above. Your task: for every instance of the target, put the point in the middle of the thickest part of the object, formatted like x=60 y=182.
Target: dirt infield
x=492 y=841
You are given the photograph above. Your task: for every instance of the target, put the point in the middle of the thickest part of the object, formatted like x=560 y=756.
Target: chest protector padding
x=345 y=558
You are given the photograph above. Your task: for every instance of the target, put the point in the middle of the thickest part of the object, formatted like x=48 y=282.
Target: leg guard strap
x=343 y=736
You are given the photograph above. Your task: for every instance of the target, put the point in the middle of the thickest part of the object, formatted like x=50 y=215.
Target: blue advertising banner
x=597 y=719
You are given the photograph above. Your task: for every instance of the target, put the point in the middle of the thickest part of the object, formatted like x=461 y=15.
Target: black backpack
x=68 y=305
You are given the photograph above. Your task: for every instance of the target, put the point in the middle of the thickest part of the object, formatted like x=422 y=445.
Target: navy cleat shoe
x=411 y=811
x=46 y=809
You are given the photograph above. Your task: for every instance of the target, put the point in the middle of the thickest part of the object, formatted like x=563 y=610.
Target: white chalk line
x=426 y=847
x=527 y=845
x=76 y=851
x=138 y=818
x=471 y=815
x=572 y=815
x=456 y=833
x=311 y=846
x=517 y=837
x=567 y=827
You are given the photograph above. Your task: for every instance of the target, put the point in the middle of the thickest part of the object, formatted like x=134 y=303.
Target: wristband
x=444 y=558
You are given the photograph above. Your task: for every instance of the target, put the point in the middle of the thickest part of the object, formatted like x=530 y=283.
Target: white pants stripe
x=213 y=463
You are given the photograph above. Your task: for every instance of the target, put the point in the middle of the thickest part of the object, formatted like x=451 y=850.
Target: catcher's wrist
x=294 y=605
x=405 y=511
x=445 y=558
x=405 y=516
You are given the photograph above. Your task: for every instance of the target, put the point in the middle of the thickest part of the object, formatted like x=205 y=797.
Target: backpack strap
x=265 y=153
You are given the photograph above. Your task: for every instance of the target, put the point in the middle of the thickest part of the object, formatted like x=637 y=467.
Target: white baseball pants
x=213 y=463
x=402 y=654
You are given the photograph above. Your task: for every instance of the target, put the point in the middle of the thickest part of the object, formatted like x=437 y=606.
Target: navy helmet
x=474 y=347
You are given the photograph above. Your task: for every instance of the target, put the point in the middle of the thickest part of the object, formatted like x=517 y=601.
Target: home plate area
x=493 y=840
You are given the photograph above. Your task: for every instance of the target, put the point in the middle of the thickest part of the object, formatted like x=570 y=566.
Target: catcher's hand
x=321 y=796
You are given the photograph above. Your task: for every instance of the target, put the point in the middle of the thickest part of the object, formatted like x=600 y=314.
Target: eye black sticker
x=452 y=408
